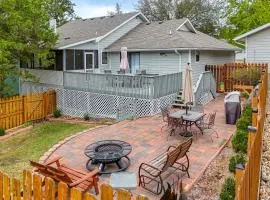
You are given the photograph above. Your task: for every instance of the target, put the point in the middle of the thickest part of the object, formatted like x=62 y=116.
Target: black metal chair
x=207 y=125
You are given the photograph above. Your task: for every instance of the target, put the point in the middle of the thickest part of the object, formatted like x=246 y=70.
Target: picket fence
x=248 y=174
x=15 y=111
x=226 y=74
x=32 y=187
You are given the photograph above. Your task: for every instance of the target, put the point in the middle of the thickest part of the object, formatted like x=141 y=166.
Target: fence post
x=24 y=108
x=251 y=137
x=239 y=172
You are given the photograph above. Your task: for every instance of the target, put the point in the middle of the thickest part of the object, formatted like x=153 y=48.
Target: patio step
x=178 y=102
x=178 y=105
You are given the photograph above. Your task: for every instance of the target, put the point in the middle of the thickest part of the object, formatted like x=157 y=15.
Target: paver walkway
x=147 y=140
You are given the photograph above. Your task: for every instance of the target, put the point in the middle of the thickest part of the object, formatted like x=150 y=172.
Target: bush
x=86 y=117
x=228 y=189
x=248 y=76
x=57 y=113
x=2 y=132
x=236 y=159
x=245 y=95
x=240 y=141
x=242 y=124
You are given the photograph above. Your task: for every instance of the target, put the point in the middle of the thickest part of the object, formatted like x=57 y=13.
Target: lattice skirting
x=205 y=98
x=77 y=103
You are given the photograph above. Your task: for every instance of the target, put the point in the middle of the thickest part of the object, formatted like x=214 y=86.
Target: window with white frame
x=104 y=58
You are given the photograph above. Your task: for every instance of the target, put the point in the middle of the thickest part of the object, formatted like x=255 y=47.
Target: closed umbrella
x=188 y=95
x=124 y=59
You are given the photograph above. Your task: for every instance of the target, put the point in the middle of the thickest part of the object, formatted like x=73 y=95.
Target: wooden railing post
x=239 y=172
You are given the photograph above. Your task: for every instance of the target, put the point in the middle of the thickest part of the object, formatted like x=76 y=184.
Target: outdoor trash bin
x=232 y=107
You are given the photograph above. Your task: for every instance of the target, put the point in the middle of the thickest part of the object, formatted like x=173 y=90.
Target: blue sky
x=95 y=8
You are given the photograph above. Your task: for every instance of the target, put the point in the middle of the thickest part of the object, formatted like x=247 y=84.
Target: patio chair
x=175 y=157
x=56 y=170
x=207 y=125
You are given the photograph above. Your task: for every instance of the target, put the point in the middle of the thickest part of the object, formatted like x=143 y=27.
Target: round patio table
x=107 y=152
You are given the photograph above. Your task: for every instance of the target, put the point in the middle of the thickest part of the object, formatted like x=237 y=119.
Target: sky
x=96 y=8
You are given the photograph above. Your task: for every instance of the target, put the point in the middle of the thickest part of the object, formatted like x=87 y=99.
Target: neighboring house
x=257 y=44
x=90 y=48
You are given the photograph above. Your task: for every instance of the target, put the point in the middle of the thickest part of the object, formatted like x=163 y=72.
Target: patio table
x=190 y=118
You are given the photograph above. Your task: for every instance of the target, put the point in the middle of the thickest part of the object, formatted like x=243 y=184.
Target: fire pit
x=108 y=152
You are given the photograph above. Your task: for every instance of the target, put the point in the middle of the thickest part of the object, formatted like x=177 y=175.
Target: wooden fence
x=15 y=111
x=248 y=174
x=226 y=74
x=32 y=188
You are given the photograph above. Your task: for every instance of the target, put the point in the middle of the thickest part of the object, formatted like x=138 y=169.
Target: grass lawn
x=16 y=151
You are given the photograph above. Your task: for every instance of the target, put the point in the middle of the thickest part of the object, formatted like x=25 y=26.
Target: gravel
x=265 y=173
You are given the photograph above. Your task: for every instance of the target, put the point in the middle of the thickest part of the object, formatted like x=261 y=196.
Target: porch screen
x=69 y=59
x=79 y=59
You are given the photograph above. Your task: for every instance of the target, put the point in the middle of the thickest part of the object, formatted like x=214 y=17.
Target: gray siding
x=156 y=63
x=209 y=58
x=107 y=41
x=258 y=47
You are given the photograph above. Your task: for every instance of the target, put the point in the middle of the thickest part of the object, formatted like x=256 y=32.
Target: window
x=104 y=58
x=197 y=55
x=59 y=60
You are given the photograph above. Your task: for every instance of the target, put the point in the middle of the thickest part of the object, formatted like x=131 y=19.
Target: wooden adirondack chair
x=56 y=170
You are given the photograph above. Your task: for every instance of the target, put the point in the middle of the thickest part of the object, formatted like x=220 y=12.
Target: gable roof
x=85 y=30
x=260 y=28
x=165 y=36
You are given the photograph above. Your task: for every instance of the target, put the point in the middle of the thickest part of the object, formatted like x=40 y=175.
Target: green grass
x=16 y=151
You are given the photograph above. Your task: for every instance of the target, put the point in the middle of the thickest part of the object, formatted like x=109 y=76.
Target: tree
x=244 y=15
x=204 y=14
x=62 y=11
x=117 y=11
x=24 y=32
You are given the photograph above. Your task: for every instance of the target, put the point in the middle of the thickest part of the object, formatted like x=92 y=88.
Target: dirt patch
x=209 y=186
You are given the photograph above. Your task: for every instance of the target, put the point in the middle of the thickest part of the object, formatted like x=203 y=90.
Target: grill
x=108 y=152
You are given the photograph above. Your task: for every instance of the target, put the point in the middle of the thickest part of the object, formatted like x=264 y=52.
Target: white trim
x=260 y=28
x=125 y=22
x=246 y=48
x=93 y=60
x=189 y=57
x=187 y=21
x=77 y=43
x=170 y=49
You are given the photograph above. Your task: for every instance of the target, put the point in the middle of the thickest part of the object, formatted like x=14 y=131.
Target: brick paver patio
x=147 y=140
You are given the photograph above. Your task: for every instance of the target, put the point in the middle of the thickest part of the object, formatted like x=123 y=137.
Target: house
x=88 y=60
x=257 y=44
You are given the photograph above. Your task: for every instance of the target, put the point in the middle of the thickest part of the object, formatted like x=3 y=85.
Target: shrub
x=243 y=123
x=245 y=95
x=236 y=159
x=2 y=132
x=248 y=76
x=228 y=189
x=57 y=113
x=86 y=117
x=240 y=141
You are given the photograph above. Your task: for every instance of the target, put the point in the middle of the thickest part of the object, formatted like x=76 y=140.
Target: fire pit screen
x=108 y=152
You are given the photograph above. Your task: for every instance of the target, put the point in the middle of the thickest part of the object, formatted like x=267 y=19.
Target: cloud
x=87 y=10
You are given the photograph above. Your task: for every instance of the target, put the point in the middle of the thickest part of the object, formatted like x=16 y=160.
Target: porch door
x=134 y=62
x=88 y=61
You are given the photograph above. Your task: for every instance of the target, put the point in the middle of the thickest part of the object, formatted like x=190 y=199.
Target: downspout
x=180 y=59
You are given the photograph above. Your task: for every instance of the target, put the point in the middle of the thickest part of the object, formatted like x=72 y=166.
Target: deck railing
x=248 y=174
x=138 y=86
x=206 y=85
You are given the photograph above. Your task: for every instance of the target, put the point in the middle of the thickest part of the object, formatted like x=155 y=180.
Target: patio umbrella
x=124 y=59
x=188 y=95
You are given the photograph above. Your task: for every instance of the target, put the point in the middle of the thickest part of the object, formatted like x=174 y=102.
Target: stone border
x=48 y=153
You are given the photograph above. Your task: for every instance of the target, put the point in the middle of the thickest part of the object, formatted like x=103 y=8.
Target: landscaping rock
x=265 y=175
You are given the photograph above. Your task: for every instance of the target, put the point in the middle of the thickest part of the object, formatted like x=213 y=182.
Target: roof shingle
x=157 y=35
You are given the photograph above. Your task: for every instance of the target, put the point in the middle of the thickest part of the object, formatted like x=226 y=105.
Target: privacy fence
x=228 y=76
x=32 y=187
x=15 y=111
x=248 y=174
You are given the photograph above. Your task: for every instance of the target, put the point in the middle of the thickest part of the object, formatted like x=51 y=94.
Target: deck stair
x=179 y=102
